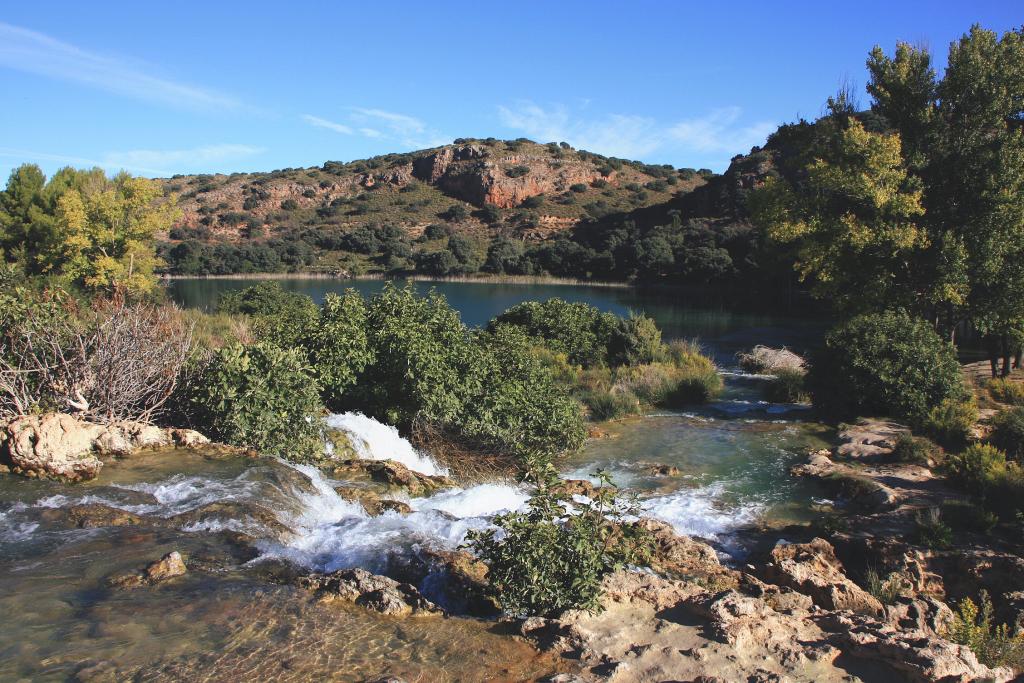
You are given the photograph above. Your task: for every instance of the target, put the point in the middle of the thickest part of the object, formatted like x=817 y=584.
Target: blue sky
x=183 y=87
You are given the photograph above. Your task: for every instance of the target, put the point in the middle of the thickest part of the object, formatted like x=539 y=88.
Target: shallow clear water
x=724 y=324
x=223 y=620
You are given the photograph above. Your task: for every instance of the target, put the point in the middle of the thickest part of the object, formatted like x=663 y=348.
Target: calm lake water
x=724 y=324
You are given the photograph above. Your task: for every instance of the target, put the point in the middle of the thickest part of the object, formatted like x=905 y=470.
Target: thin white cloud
x=718 y=132
x=399 y=124
x=25 y=155
x=32 y=52
x=713 y=138
x=406 y=130
x=329 y=125
x=144 y=161
x=175 y=159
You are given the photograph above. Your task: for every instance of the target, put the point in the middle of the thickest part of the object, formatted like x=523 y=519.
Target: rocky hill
x=479 y=189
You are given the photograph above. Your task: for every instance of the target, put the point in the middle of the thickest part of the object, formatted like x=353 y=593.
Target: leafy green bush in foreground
x=1008 y=432
x=546 y=561
x=261 y=397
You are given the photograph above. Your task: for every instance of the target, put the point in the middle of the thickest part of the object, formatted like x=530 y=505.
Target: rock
x=167 y=567
x=870 y=439
x=52 y=445
x=927 y=615
x=658 y=469
x=188 y=438
x=920 y=658
x=95 y=515
x=578 y=487
x=387 y=505
x=636 y=587
x=378 y=593
x=684 y=557
x=394 y=475
x=231 y=510
x=455 y=578
x=813 y=569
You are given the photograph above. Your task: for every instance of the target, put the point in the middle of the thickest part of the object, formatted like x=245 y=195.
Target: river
x=230 y=619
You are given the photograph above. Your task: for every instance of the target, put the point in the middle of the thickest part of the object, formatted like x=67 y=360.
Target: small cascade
x=375 y=440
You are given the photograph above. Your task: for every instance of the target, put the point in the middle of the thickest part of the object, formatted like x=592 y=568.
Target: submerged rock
x=95 y=515
x=378 y=593
x=167 y=567
x=813 y=569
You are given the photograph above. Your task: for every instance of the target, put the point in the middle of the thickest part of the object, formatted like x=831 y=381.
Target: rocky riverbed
x=213 y=564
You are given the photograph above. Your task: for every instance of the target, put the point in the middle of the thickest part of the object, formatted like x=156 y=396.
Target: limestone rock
x=920 y=658
x=813 y=569
x=95 y=515
x=394 y=475
x=378 y=593
x=167 y=567
x=682 y=556
x=870 y=439
x=188 y=438
x=52 y=445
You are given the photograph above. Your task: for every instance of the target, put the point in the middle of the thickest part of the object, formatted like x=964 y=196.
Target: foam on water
x=331 y=533
x=375 y=440
x=698 y=512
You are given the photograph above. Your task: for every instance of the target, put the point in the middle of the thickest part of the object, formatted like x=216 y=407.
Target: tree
x=95 y=231
x=855 y=216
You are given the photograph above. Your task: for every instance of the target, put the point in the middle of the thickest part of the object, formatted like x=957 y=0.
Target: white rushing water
x=375 y=440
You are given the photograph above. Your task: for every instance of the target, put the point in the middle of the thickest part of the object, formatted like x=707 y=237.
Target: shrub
x=578 y=188
x=976 y=467
x=930 y=531
x=289 y=205
x=611 y=405
x=887 y=590
x=787 y=386
x=532 y=202
x=635 y=340
x=995 y=646
x=967 y=516
x=544 y=561
x=262 y=397
x=517 y=171
x=120 y=361
x=1003 y=390
x=280 y=317
x=579 y=330
x=887 y=363
x=916 y=450
x=764 y=359
x=455 y=213
x=1008 y=432
x=951 y=421
x=337 y=347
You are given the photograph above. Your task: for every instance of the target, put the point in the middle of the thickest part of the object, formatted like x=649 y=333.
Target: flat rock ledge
x=61 y=446
x=656 y=629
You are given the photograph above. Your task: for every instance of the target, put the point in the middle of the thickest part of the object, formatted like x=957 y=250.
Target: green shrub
x=995 y=646
x=578 y=188
x=787 y=386
x=543 y=561
x=1008 y=432
x=963 y=515
x=887 y=363
x=517 y=171
x=976 y=468
x=262 y=397
x=887 y=590
x=951 y=421
x=337 y=346
x=609 y=405
x=931 y=532
x=1003 y=390
x=579 y=330
x=916 y=450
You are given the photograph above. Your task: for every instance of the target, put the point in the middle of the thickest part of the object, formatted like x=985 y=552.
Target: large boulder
x=52 y=445
x=813 y=569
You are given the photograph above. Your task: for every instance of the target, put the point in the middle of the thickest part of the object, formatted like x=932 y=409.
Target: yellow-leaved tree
x=105 y=229
x=852 y=215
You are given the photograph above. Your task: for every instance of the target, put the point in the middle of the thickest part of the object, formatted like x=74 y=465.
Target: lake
x=724 y=322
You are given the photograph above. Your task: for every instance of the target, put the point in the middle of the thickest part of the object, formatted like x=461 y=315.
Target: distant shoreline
x=495 y=279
